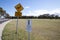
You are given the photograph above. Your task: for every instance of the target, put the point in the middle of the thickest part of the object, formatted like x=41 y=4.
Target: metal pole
x=17 y=26
x=28 y=35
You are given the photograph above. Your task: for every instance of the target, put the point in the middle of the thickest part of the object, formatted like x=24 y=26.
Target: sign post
x=19 y=8
x=28 y=35
x=29 y=28
x=17 y=26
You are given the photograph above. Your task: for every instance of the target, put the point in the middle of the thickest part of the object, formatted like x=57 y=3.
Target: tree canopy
x=3 y=13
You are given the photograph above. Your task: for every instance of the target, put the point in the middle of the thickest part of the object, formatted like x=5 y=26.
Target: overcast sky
x=32 y=7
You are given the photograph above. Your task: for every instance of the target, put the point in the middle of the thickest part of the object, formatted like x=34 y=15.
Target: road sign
x=29 y=26
x=19 y=7
x=18 y=14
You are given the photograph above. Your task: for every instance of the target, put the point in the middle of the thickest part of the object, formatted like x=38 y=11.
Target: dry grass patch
x=42 y=29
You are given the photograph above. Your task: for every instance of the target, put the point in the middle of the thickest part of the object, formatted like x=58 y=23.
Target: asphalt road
x=2 y=20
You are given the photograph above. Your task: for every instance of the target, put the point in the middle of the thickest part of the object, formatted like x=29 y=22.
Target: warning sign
x=19 y=7
x=18 y=14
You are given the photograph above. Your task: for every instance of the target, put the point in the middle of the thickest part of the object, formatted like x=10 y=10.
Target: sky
x=32 y=7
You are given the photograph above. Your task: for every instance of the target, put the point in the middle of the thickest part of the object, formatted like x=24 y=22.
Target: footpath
x=2 y=27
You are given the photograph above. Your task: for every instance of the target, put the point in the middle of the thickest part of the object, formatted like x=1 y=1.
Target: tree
x=3 y=13
x=0 y=11
x=44 y=16
x=56 y=17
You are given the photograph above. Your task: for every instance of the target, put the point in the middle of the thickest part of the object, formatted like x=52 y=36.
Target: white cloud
x=27 y=7
x=40 y=12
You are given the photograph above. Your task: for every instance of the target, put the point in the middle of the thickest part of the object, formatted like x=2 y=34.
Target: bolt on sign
x=19 y=8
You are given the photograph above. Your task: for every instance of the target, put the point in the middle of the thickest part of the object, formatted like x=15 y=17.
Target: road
x=2 y=25
x=3 y=20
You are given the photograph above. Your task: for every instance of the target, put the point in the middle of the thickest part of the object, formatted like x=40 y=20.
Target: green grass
x=42 y=29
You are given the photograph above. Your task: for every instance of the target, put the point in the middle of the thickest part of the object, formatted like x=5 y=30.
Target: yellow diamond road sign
x=19 y=7
x=18 y=14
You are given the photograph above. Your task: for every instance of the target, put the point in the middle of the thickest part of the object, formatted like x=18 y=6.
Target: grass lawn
x=42 y=29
